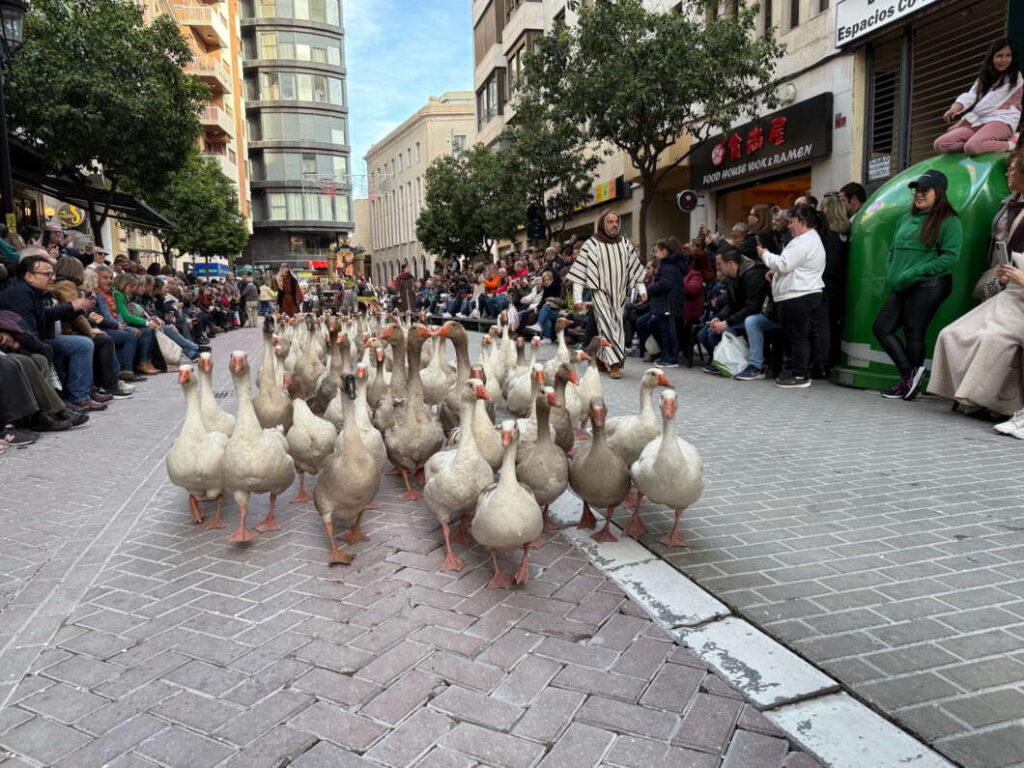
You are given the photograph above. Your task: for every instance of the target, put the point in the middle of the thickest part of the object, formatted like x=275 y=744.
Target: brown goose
x=598 y=475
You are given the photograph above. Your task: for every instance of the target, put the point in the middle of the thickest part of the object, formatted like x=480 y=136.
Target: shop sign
x=614 y=189
x=209 y=270
x=70 y=216
x=762 y=147
x=879 y=167
x=857 y=18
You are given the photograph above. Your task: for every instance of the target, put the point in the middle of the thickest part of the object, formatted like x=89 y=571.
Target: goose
x=519 y=383
x=578 y=397
x=561 y=427
x=272 y=404
x=438 y=377
x=449 y=411
x=497 y=359
x=215 y=418
x=488 y=441
x=308 y=369
x=416 y=434
x=348 y=481
x=341 y=359
x=487 y=362
x=194 y=461
x=456 y=477
x=372 y=438
x=629 y=435
x=256 y=460
x=381 y=379
x=394 y=397
x=543 y=466
x=562 y=353
x=520 y=367
x=670 y=471
x=310 y=442
x=598 y=475
x=507 y=516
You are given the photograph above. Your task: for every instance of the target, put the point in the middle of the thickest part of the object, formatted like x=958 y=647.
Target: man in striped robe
x=609 y=267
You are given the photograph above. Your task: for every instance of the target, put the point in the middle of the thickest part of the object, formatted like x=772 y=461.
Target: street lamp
x=12 y=33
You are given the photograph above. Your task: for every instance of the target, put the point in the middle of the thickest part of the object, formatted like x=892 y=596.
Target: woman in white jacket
x=990 y=110
x=797 y=284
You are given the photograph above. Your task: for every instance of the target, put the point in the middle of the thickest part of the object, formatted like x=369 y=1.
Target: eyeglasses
x=46 y=274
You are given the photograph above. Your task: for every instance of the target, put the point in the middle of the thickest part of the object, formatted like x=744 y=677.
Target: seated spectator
x=552 y=303
x=796 y=278
x=977 y=357
x=139 y=325
x=165 y=314
x=746 y=288
x=128 y=342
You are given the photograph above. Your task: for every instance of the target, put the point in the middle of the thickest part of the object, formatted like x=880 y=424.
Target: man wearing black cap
x=924 y=248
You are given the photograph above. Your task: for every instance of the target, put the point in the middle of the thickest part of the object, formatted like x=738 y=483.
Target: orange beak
x=238 y=363
x=444 y=330
x=506 y=438
x=664 y=382
x=668 y=408
x=206 y=364
x=184 y=375
x=360 y=371
x=539 y=376
x=342 y=338
x=387 y=333
x=553 y=399
x=574 y=377
x=605 y=343
x=482 y=393
x=584 y=356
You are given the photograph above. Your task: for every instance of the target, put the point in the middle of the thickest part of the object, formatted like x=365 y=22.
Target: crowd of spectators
x=79 y=330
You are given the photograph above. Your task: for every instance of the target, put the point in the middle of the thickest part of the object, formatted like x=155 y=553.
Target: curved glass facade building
x=297 y=117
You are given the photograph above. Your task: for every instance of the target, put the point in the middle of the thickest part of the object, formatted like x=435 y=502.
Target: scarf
x=601 y=235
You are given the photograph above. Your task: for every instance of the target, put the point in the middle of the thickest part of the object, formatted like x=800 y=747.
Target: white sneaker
x=535 y=328
x=1014 y=425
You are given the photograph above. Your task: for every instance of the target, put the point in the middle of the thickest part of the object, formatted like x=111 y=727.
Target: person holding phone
x=976 y=361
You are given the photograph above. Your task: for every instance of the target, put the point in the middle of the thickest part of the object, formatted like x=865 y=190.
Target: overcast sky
x=398 y=54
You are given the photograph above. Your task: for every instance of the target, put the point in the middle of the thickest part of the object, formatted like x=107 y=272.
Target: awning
x=29 y=169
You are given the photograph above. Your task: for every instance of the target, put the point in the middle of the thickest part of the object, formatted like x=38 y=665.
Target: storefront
x=919 y=56
x=769 y=160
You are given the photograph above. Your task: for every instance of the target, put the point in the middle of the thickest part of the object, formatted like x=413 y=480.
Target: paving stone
x=580 y=746
x=393 y=663
x=82 y=671
x=412 y=739
x=754 y=750
x=63 y=703
x=627 y=718
x=43 y=740
x=988 y=673
x=440 y=757
x=644 y=658
x=999 y=747
x=342 y=728
x=709 y=723
x=609 y=684
x=325 y=684
x=402 y=697
x=631 y=752
x=464 y=704
x=262 y=717
x=493 y=749
x=447 y=640
x=278 y=747
x=169 y=745
x=326 y=755
x=988 y=708
x=119 y=740
x=527 y=680
x=549 y=714
x=472 y=674
x=197 y=712
x=673 y=688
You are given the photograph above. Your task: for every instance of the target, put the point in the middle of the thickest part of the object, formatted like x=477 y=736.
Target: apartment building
x=396 y=165
x=297 y=110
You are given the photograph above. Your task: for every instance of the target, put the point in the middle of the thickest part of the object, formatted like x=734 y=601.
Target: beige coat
x=977 y=359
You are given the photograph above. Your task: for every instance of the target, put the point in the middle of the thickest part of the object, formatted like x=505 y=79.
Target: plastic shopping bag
x=731 y=355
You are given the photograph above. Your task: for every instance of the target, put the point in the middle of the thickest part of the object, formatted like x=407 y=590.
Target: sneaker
x=75 y=416
x=535 y=328
x=914 y=385
x=666 y=364
x=121 y=391
x=750 y=373
x=898 y=390
x=1015 y=424
x=711 y=369
x=13 y=436
x=792 y=381
x=446 y=314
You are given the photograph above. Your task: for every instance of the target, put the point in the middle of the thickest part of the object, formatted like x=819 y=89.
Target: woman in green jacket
x=124 y=286
x=924 y=248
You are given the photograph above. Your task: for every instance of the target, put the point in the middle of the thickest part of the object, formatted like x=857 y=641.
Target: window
x=458 y=143
x=417 y=151
x=822 y=6
x=278 y=126
x=300 y=46
x=327 y=11
x=794 y=14
x=276 y=208
x=399 y=162
x=485 y=33
x=292 y=86
x=768 y=13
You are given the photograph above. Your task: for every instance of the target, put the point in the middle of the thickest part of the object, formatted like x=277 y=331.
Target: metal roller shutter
x=947 y=53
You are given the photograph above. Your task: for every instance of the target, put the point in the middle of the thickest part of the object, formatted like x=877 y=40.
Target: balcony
x=523 y=16
x=208 y=21
x=217 y=120
x=227 y=161
x=210 y=70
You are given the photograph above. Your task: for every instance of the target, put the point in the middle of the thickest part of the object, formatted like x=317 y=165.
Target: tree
x=640 y=79
x=551 y=159
x=202 y=204
x=471 y=200
x=101 y=92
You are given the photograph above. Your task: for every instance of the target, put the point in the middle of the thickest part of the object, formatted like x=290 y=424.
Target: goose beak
x=669 y=407
x=482 y=393
x=205 y=362
x=184 y=374
x=535 y=341
x=584 y=356
x=238 y=363
x=574 y=377
x=444 y=330
x=605 y=343
x=664 y=382
x=539 y=376
x=506 y=438
x=552 y=399
x=342 y=338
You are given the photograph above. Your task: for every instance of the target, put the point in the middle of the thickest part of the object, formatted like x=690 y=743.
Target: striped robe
x=609 y=271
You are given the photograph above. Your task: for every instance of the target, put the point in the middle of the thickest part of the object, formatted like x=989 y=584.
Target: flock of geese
x=341 y=398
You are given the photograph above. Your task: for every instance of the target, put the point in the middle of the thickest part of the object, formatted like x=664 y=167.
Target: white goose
x=310 y=442
x=543 y=466
x=194 y=461
x=507 y=516
x=670 y=471
x=578 y=397
x=519 y=384
x=562 y=353
x=215 y=418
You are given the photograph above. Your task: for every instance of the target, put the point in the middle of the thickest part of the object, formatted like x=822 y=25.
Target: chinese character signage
x=766 y=146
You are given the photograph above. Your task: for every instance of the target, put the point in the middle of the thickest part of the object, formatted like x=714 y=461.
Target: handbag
x=988 y=284
x=169 y=348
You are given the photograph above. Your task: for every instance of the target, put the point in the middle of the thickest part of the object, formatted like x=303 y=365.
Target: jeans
x=755 y=326
x=797 y=315
x=144 y=346
x=188 y=347
x=546 y=321
x=645 y=328
x=708 y=339
x=264 y=307
x=125 y=341
x=496 y=304
x=911 y=309
x=78 y=354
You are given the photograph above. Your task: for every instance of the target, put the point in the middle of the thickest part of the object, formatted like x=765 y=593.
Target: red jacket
x=693 y=286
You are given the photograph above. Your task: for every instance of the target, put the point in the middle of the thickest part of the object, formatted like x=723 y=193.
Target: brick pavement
x=130 y=637
x=882 y=540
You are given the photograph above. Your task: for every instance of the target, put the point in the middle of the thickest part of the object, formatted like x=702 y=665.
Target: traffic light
x=535 y=228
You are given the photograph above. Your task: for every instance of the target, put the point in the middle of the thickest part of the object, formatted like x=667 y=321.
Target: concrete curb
x=795 y=695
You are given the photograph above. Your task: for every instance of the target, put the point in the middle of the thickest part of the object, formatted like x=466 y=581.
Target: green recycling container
x=977 y=187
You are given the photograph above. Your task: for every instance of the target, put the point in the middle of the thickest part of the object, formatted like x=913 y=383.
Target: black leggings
x=911 y=309
x=797 y=316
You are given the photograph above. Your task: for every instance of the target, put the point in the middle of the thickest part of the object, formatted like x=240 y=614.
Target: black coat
x=667 y=292
x=747 y=291
x=37 y=309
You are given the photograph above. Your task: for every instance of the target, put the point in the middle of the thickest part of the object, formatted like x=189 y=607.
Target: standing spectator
x=405 y=284
x=266 y=299
x=796 y=278
x=835 y=235
x=990 y=110
x=609 y=267
x=924 y=248
x=289 y=295
x=667 y=295
x=852 y=195
x=250 y=295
